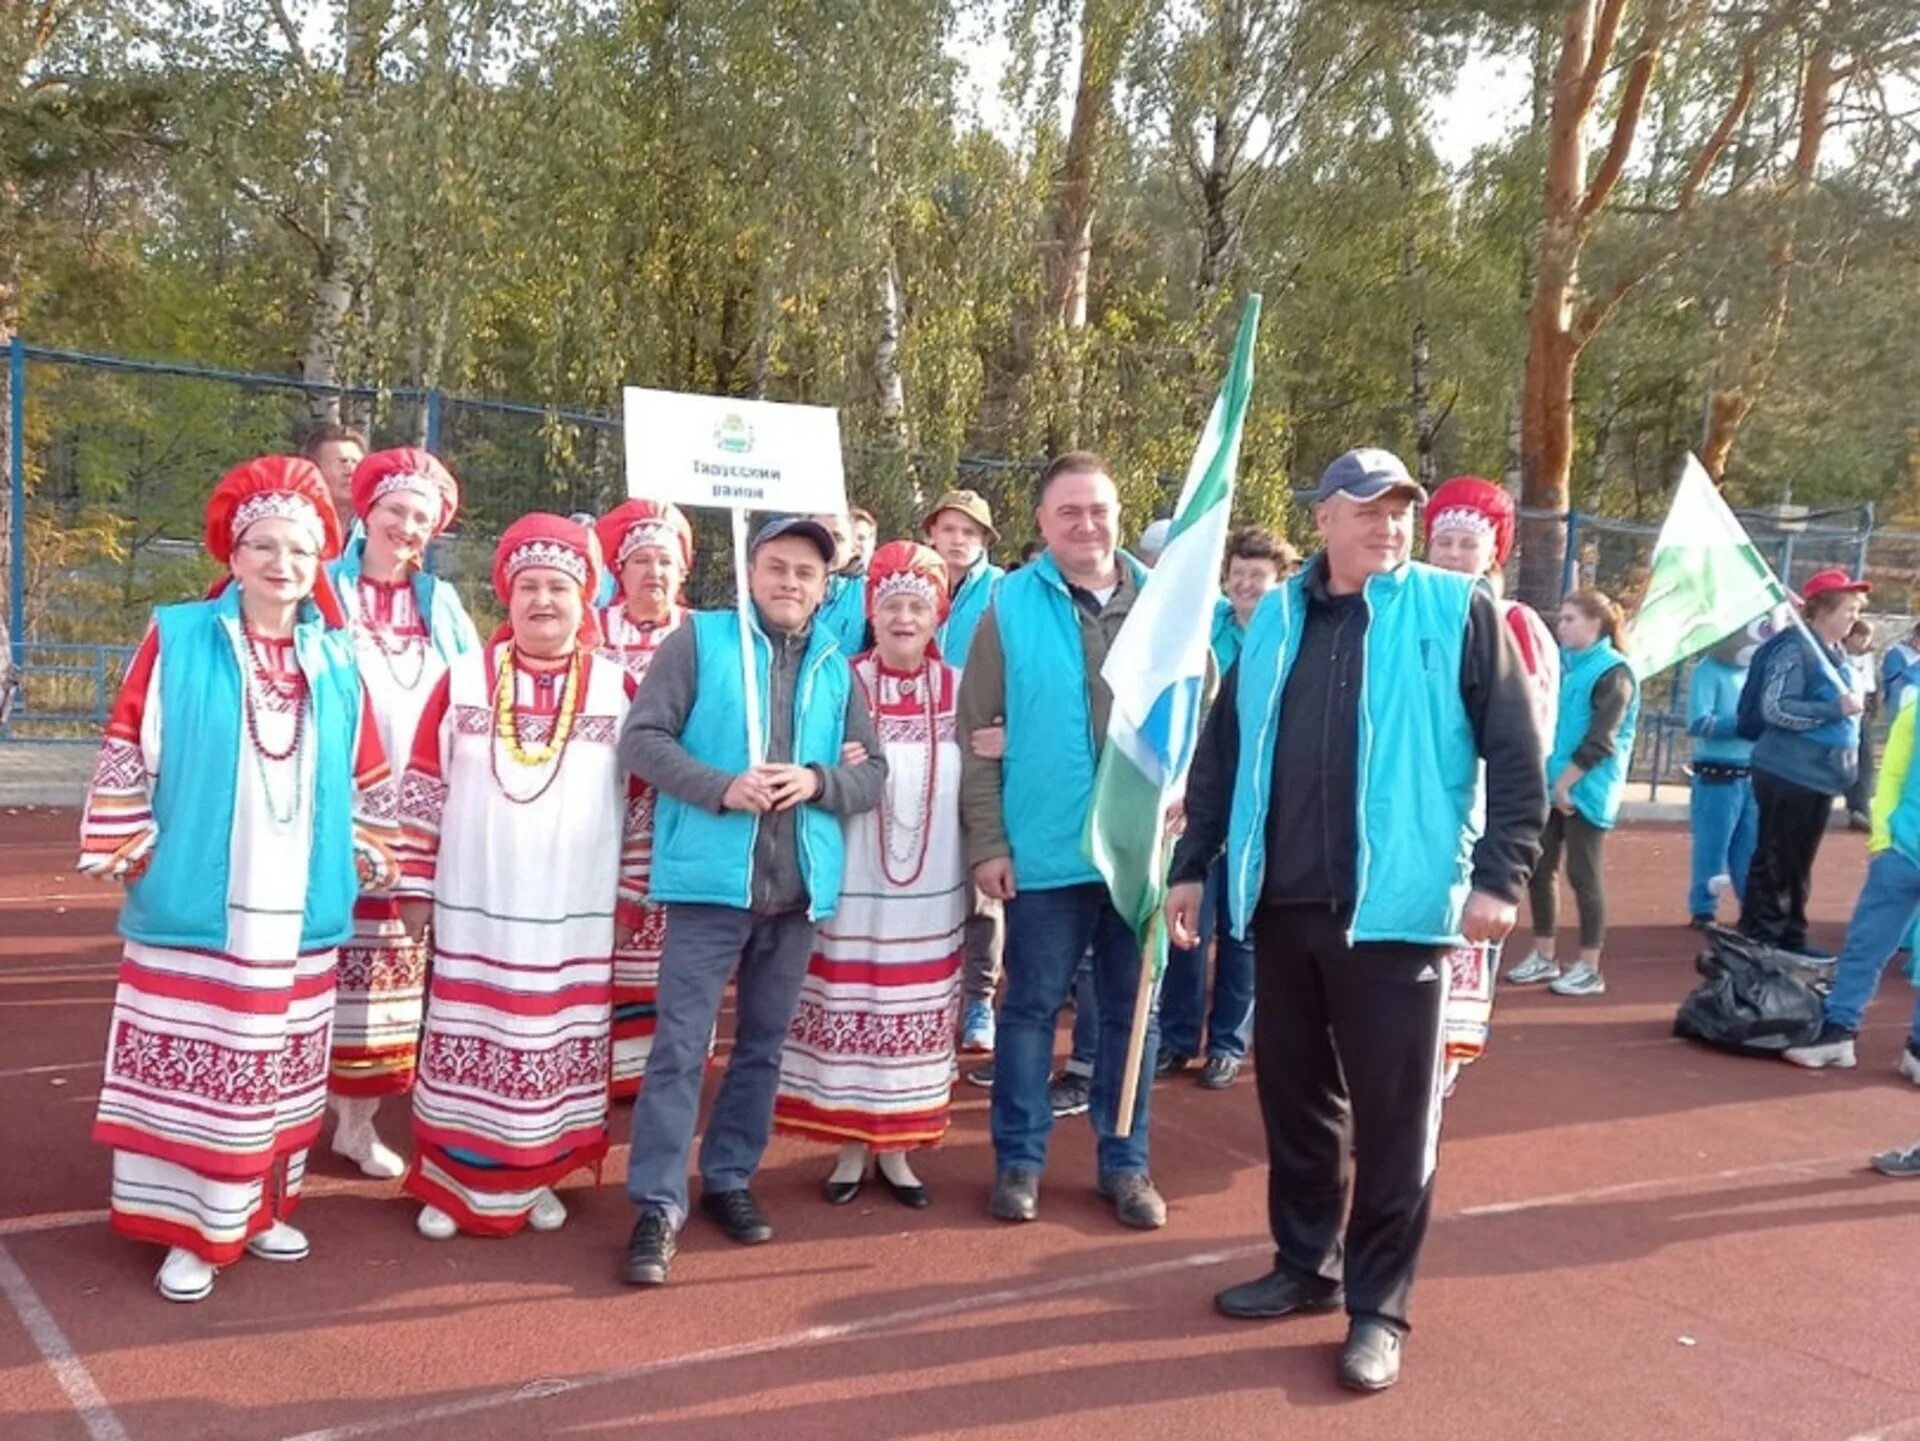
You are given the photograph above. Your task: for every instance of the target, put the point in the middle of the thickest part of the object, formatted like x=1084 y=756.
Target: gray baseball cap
x=801 y=527
x=1365 y=474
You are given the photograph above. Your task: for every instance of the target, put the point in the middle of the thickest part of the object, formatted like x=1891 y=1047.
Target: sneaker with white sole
x=1899 y=1163
x=185 y=1277
x=1832 y=1047
x=976 y=1031
x=549 y=1212
x=1909 y=1066
x=355 y=1138
x=279 y=1242
x=1580 y=979
x=436 y=1225
x=1533 y=970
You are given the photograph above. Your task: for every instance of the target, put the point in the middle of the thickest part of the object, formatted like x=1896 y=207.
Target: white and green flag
x=1157 y=668
x=1708 y=580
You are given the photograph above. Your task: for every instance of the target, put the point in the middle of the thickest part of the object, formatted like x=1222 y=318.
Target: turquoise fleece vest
x=1046 y=781
x=1228 y=635
x=182 y=899
x=1418 y=788
x=1596 y=795
x=701 y=858
x=843 y=614
x=970 y=602
x=449 y=626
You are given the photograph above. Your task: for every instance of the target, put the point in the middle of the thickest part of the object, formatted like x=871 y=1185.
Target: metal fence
x=112 y=457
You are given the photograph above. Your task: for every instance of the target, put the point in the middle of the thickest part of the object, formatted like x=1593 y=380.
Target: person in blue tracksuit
x=1722 y=818
x=1340 y=773
x=1587 y=770
x=747 y=859
x=843 y=609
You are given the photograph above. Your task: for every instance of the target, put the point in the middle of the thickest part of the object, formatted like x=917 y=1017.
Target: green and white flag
x=1708 y=580
x=1157 y=668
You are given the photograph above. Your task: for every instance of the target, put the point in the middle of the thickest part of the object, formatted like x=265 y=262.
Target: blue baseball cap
x=1366 y=474
x=801 y=528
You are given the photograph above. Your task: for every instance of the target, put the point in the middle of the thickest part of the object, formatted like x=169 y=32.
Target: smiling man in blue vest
x=747 y=859
x=1035 y=666
x=1340 y=773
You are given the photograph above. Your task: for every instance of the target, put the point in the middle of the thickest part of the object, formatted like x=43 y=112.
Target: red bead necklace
x=294 y=690
x=928 y=684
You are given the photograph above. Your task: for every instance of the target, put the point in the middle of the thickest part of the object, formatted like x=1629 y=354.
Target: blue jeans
x=1047 y=934
x=1086 y=1021
x=1183 y=990
x=1881 y=917
x=705 y=946
x=1725 y=822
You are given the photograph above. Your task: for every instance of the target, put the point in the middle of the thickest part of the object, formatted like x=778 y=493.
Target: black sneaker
x=1069 y=1094
x=736 y=1213
x=981 y=1076
x=649 y=1250
x=1168 y=1062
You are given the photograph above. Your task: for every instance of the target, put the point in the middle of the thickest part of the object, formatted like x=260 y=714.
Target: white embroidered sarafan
x=278 y=505
x=547 y=555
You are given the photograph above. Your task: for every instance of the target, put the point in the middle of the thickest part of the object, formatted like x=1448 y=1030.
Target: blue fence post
x=1860 y=543
x=433 y=402
x=17 y=499
x=1569 y=564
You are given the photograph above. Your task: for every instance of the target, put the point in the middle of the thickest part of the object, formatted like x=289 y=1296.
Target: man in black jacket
x=1339 y=769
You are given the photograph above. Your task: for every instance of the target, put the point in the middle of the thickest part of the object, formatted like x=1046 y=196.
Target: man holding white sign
x=747 y=859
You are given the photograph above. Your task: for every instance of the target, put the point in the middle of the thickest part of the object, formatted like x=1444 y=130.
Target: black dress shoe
x=1016 y=1195
x=1370 y=1361
x=1278 y=1293
x=649 y=1250
x=838 y=1193
x=915 y=1196
x=736 y=1213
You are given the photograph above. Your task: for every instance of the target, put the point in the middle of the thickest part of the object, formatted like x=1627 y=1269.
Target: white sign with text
x=709 y=450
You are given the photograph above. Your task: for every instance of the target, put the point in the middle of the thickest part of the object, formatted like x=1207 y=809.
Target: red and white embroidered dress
x=528 y=867
x=636 y=956
x=870 y=1054
x=383 y=974
x=216 y=1071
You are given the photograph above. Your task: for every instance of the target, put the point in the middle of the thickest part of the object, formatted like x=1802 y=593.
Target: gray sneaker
x=1899 y=1163
x=1533 y=970
x=1069 y=1094
x=1136 y=1200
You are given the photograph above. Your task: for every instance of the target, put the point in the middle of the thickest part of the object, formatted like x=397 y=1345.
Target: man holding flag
x=1035 y=661
x=1340 y=771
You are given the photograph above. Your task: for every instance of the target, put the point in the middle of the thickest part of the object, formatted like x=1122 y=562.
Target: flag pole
x=750 y=691
x=1137 y=1037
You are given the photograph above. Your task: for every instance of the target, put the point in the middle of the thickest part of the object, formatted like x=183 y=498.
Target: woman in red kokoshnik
x=407 y=627
x=516 y=832
x=868 y=1064
x=242 y=797
x=1470 y=524
x=650 y=549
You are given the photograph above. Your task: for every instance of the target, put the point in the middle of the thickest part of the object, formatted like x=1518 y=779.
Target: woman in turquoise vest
x=1587 y=771
x=234 y=797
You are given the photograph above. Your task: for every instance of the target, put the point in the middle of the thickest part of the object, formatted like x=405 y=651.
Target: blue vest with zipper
x=705 y=859
x=449 y=626
x=843 y=613
x=970 y=602
x=1596 y=795
x=181 y=901
x=1046 y=780
x=1417 y=787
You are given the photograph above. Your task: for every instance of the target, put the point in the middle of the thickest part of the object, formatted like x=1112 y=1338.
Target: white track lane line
x=68 y=1369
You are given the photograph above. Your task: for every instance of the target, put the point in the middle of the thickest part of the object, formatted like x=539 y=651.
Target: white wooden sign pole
x=740 y=456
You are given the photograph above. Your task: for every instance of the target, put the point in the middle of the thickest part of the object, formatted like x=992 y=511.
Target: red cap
x=282 y=487
x=1468 y=502
x=905 y=565
x=550 y=542
x=636 y=523
x=1835 y=579
x=405 y=468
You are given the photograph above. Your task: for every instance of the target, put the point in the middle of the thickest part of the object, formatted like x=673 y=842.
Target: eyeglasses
x=269 y=550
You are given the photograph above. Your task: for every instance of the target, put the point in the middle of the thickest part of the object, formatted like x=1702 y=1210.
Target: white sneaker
x=436 y=1225
x=1909 y=1067
x=279 y=1242
x=355 y=1138
x=1581 y=980
x=549 y=1213
x=1533 y=970
x=1832 y=1047
x=184 y=1277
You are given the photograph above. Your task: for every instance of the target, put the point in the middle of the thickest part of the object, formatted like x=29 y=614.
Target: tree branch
x=1716 y=143
x=1606 y=34
x=292 y=34
x=1633 y=100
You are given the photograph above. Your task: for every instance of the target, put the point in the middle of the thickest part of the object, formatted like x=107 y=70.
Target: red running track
x=1634 y=1238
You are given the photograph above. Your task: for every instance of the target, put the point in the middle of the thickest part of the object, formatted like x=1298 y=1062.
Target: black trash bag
x=1755 y=1001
